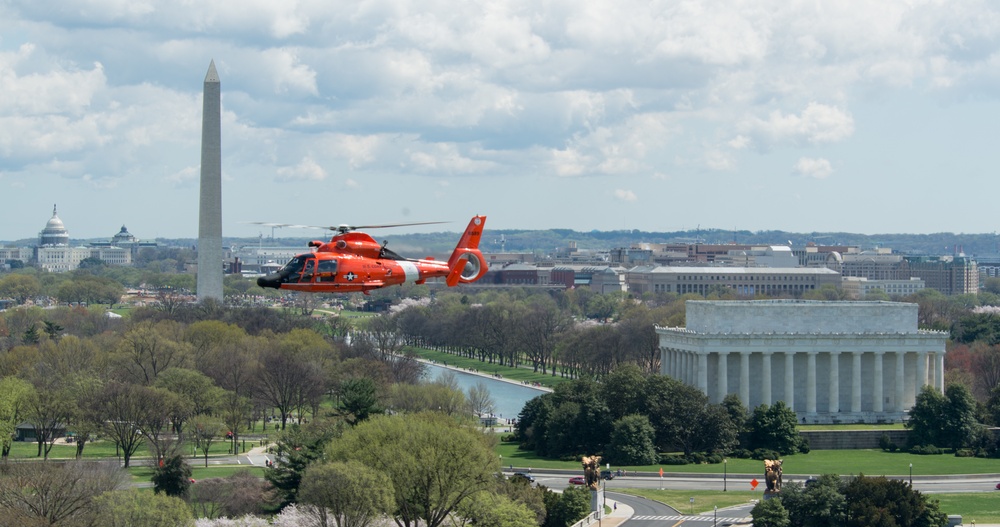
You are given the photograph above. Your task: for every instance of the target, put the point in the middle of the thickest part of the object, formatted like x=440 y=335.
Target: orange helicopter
x=354 y=262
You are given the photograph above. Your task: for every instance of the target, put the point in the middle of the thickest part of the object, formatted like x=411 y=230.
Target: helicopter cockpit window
x=292 y=270
x=326 y=270
x=389 y=255
x=307 y=275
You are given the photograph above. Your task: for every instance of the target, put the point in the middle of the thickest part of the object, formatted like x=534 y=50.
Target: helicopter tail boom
x=467 y=263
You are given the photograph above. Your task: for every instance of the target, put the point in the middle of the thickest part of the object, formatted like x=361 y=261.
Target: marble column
x=811 y=383
x=856 y=382
x=921 y=373
x=723 y=376
x=834 y=394
x=745 y=377
x=939 y=371
x=878 y=397
x=765 y=391
x=900 y=380
x=702 y=372
x=790 y=379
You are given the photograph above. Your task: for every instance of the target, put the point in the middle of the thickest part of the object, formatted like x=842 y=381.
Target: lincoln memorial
x=831 y=362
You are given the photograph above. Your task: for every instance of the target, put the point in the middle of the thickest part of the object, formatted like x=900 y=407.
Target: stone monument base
x=597 y=502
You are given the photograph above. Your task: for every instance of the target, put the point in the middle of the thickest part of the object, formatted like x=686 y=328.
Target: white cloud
x=306 y=170
x=817 y=124
x=625 y=195
x=813 y=168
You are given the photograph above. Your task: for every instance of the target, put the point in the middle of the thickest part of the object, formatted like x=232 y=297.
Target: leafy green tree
x=359 y=398
x=355 y=494
x=434 y=462
x=14 y=394
x=821 y=504
x=925 y=422
x=677 y=411
x=878 y=501
x=172 y=476
x=572 y=506
x=135 y=508
x=773 y=428
x=532 y=423
x=52 y=330
x=298 y=446
x=580 y=422
x=632 y=442
x=959 y=418
x=623 y=390
x=31 y=335
x=495 y=510
x=770 y=513
x=20 y=287
x=974 y=327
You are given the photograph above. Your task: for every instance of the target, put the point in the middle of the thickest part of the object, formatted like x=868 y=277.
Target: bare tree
x=480 y=400
x=55 y=494
x=146 y=352
x=124 y=409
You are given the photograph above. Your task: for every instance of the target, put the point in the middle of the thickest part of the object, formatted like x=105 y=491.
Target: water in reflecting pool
x=509 y=397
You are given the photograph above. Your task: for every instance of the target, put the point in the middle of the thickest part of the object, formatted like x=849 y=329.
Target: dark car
x=577 y=480
x=523 y=475
x=811 y=481
x=608 y=475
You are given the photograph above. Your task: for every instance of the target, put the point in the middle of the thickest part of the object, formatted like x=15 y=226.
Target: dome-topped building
x=123 y=238
x=54 y=233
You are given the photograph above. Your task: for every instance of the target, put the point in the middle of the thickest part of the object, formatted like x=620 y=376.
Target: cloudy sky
x=869 y=117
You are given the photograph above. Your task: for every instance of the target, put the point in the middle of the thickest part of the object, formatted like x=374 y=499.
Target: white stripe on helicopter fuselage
x=410 y=271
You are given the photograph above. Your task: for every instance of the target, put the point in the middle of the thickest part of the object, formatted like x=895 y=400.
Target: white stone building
x=828 y=361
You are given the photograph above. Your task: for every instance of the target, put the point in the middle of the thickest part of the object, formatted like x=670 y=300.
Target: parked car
x=577 y=480
x=523 y=475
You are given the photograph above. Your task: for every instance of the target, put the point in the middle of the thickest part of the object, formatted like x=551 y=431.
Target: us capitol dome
x=54 y=233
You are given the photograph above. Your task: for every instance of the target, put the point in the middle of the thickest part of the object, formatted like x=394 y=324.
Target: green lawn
x=524 y=373
x=106 y=449
x=843 y=462
x=198 y=472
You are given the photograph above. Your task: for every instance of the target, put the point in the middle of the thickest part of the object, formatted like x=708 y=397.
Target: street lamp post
x=911 y=475
x=724 y=473
x=715 y=521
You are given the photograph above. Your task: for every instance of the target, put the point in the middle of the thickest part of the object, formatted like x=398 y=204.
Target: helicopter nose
x=271 y=280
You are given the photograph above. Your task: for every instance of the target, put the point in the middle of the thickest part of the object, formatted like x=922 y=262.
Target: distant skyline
x=864 y=117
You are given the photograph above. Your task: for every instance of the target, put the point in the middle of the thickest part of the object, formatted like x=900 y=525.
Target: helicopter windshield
x=292 y=270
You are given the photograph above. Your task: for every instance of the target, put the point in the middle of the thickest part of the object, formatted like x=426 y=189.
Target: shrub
x=926 y=450
x=887 y=444
x=668 y=459
x=764 y=453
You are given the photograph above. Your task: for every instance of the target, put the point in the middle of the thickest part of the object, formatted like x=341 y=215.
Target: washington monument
x=210 y=209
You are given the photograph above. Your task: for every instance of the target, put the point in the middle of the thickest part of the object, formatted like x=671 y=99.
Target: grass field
x=106 y=449
x=198 y=472
x=842 y=462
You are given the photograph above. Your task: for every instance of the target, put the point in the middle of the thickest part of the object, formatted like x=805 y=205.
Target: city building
x=830 y=362
x=857 y=288
x=746 y=281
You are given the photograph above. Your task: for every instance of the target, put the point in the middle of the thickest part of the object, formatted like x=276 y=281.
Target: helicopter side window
x=326 y=270
x=307 y=275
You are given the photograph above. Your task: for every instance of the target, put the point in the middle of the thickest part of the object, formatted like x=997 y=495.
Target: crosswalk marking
x=687 y=517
